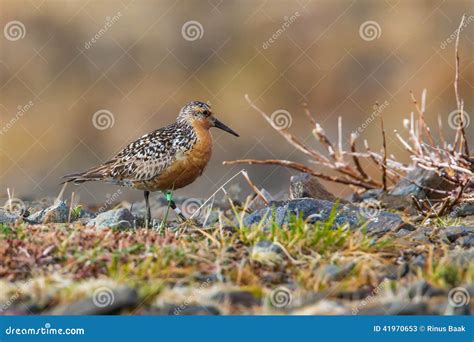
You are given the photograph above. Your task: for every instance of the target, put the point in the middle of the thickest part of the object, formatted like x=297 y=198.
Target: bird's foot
x=190 y=222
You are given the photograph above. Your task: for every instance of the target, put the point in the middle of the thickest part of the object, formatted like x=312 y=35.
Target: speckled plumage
x=148 y=156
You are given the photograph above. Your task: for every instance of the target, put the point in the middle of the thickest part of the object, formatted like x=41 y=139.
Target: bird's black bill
x=220 y=125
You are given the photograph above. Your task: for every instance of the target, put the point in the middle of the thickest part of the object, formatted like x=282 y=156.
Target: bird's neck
x=201 y=128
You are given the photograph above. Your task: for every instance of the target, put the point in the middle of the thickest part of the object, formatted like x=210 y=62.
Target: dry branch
x=461 y=134
x=301 y=168
x=452 y=162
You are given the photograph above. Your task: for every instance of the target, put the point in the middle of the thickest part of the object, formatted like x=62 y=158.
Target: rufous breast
x=188 y=165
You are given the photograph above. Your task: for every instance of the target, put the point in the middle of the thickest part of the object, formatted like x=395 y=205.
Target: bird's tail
x=97 y=173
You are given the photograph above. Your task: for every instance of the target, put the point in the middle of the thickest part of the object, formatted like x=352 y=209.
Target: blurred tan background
x=63 y=61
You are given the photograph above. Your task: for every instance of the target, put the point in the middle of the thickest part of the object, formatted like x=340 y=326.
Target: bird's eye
x=206 y=113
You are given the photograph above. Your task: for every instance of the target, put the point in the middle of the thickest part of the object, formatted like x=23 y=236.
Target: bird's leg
x=148 y=211
x=172 y=205
x=176 y=209
x=180 y=215
x=168 y=196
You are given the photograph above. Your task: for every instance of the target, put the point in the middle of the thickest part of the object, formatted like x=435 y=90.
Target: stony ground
x=299 y=256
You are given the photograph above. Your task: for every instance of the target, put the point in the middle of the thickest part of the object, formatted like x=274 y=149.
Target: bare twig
x=339 y=154
x=71 y=206
x=461 y=134
x=440 y=132
x=309 y=116
x=254 y=188
x=289 y=137
x=302 y=168
x=384 y=161
x=356 y=159
x=417 y=204
x=421 y=112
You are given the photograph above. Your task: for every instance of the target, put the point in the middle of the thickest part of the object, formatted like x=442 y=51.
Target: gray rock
x=372 y=194
x=323 y=307
x=21 y=307
x=334 y=272
x=206 y=277
x=117 y=218
x=183 y=310
x=466 y=241
x=57 y=213
x=421 y=235
x=267 y=252
x=207 y=217
x=315 y=210
x=307 y=186
x=417 y=182
x=463 y=210
x=453 y=233
x=83 y=217
x=107 y=302
x=8 y=217
x=274 y=277
x=266 y=245
x=461 y=257
x=419 y=261
x=400 y=203
x=357 y=294
x=236 y=298
x=396 y=308
x=402 y=232
x=394 y=272
x=423 y=289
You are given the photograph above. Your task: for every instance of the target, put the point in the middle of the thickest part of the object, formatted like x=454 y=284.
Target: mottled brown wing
x=142 y=159
x=146 y=157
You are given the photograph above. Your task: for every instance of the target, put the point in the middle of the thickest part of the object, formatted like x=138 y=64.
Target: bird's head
x=200 y=113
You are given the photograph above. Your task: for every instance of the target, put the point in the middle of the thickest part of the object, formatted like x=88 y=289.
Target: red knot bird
x=164 y=160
